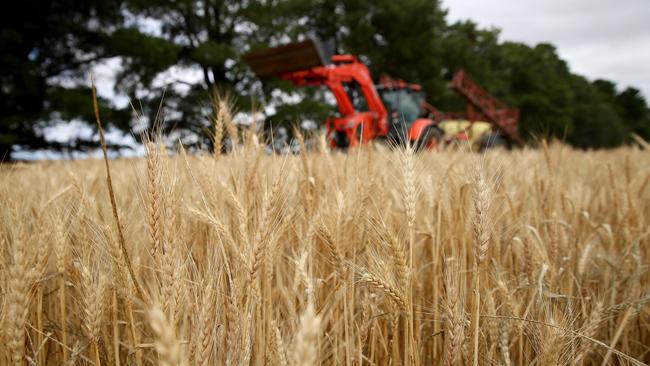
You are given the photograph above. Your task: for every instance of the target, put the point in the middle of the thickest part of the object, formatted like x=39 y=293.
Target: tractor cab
x=404 y=103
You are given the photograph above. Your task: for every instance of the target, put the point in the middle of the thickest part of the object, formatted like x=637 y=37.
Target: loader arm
x=345 y=70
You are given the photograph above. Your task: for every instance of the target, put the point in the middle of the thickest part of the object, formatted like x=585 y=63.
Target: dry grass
x=375 y=257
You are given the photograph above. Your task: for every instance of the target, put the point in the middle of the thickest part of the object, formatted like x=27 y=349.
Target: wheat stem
x=111 y=194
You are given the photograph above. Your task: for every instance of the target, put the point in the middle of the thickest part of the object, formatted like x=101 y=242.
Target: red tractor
x=393 y=110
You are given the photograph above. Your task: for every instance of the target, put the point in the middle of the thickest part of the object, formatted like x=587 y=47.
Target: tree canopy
x=49 y=47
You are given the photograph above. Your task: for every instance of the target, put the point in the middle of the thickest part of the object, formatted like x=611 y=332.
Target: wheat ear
x=219 y=122
x=17 y=302
x=166 y=343
x=394 y=294
x=62 y=254
x=93 y=289
x=481 y=198
x=279 y=348
x=155 y=204
x=332 y=249
x=454 y=313
x=205 y=322
x=305 y=352
x=589 y=329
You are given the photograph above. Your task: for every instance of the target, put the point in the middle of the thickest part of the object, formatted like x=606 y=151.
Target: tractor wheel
x=341 y=140
x=492 y=140
x=430 y=138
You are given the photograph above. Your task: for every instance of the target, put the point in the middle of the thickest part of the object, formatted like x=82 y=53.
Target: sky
x=607 y=39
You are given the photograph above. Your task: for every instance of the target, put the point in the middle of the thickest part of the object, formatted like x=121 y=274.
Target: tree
x=634 y=111
x=43 y=40
x=595 y=118
x=630 y=105
x=537 y=83
x=402 y=39
x=553 y=102
x=204 y=36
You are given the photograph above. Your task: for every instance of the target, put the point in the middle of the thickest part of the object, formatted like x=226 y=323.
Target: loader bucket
x=286 y=58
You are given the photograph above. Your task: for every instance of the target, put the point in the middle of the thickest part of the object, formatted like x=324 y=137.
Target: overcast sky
x=599 y=38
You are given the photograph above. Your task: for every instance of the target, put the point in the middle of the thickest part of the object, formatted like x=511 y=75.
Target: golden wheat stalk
x=17 y=303
x=166 y=344
x=481 y=196
x=111 y=193
x=307 y=338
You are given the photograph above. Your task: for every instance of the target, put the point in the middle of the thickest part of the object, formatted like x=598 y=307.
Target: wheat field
x=374 y=257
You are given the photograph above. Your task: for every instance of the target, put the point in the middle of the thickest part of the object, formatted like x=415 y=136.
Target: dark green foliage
x=45 y=42
x=552 y=100
x=630 y=106
x=595 y=118
x=145 y=55
x=42 y=40
x=401 y=38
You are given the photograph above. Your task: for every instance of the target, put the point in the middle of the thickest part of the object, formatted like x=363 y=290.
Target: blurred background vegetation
x=50 y=46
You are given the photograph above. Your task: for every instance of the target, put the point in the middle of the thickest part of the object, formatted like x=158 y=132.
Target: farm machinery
x=391 y=110
x=502 y=122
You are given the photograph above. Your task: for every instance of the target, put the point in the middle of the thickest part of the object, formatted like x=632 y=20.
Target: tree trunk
x=5 y=153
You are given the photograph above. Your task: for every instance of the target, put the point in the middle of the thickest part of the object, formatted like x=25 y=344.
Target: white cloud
x=181 y=77
x=67 y=131
x=105 y=73
x=599 y=39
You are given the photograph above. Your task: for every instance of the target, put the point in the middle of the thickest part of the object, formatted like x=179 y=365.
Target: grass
x=377 y=257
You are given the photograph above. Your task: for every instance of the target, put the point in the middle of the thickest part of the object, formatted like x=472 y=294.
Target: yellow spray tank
x=454 y=129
